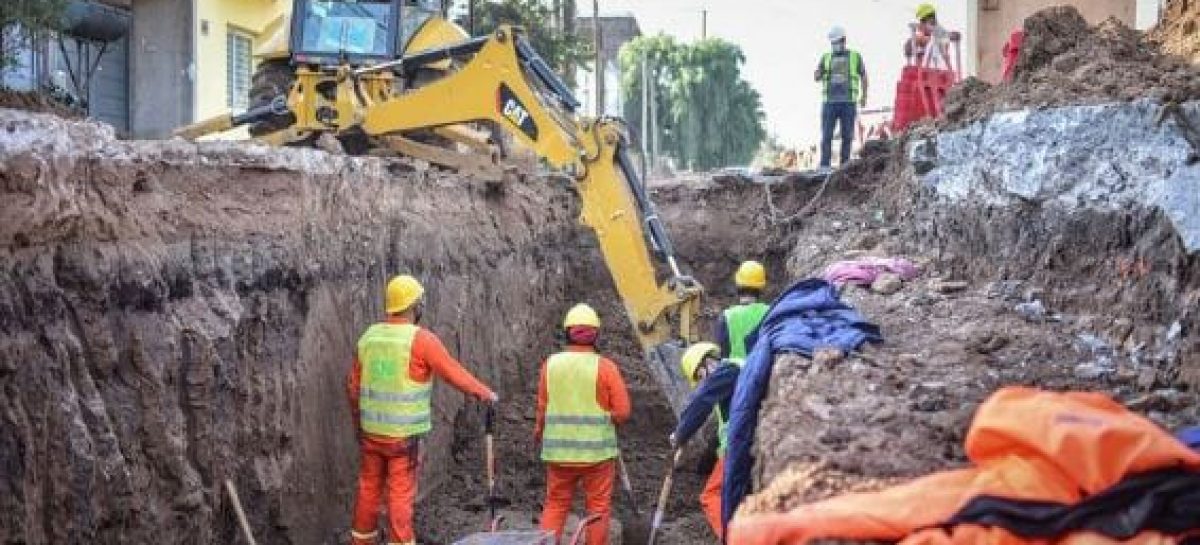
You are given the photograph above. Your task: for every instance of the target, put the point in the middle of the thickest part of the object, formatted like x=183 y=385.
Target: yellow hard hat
x=925 y=10
x=581 y=314
x=693 y=356
x=402 y=292
x=751 y=274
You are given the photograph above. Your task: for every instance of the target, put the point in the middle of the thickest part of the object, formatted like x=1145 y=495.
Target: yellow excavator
x=360 y=71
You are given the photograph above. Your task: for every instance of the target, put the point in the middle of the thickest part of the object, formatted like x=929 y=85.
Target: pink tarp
x=864 y=271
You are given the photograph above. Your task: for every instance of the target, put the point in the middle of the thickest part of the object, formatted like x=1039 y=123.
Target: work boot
x=364 y=538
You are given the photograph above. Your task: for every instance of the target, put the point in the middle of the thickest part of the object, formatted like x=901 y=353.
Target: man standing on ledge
x=390 y=390
x=843 y=77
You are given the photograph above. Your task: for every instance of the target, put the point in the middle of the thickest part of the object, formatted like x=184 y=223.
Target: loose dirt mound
x=35 y=102
x=1063 y=62
x=901 y=409
x=1176 y=31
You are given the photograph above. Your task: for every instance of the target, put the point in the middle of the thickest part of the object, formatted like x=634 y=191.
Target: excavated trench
x=173 y=315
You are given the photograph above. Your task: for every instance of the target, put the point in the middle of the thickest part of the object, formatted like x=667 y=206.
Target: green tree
x=560 y=47
x=21 y=21
x=708 y=116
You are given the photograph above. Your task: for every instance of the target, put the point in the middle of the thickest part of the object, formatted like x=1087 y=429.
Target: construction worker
x=714 y=380
x=581 y=400
x=390 y=388
x=926 y=32
x=844 y=77
x=738 y=321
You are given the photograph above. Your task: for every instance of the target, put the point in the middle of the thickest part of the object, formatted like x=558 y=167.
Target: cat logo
x=515 y=112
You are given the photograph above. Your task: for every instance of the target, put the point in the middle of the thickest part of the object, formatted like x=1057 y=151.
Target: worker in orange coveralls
x=390 y=389
x=581 y=400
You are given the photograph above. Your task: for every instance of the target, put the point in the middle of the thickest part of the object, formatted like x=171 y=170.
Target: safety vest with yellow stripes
x=577 y=428
x=390 y=403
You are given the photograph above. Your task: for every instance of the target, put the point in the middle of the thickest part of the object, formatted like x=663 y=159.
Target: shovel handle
x=627 y=485
x=241 y=514
x=663 y=495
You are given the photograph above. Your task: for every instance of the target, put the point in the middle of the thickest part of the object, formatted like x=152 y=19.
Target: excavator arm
x=505 y=82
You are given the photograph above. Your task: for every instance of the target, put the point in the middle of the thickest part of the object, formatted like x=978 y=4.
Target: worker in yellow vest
x=738 y=321
x=390 y=389
x=714 y=381
x=581 y=400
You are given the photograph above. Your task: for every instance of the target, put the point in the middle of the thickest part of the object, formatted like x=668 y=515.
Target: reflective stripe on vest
x=723 y=423
x=740 y=321
x=390 y=403
x=854 y=60
x=577 y=428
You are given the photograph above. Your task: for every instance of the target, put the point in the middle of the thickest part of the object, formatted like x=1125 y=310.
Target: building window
x=239 y=68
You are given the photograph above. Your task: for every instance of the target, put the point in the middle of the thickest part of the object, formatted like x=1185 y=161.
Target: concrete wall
x=998 y=18
x=160 y=79
x=214 y=19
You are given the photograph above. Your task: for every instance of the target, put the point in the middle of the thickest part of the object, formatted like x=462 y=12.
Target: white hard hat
x=837 y=33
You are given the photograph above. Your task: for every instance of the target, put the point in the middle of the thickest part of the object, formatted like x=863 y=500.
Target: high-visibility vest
x=740 y=321
x=577 y=428
x=723 y=423
x=390 y=403
x=854 y=60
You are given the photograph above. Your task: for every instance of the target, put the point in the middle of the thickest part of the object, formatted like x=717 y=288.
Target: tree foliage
x=560 y=47
x=708 y=116
x=23 y=20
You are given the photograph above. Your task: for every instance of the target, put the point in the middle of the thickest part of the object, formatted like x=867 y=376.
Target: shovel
x=663 y=495
x=636 y=530
x=494 y=501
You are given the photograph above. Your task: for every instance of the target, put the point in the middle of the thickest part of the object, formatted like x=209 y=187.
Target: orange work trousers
x=597 y=482
x=710 y=498
x=386 y=468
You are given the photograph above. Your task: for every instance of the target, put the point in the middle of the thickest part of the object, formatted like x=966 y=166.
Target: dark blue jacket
x=806 y=317
x=716 y=390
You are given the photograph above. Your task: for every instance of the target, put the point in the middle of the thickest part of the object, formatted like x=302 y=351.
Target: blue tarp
x=1190 y=437
x=807 y=316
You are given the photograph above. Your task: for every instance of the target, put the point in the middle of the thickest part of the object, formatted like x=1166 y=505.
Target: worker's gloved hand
x=492 y=398
x=674 y=441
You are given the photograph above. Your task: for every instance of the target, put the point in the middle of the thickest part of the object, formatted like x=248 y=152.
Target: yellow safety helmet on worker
x=925 y=11
x=694 y=357
x=581 y=315
x=751 y=275
x=403 y=292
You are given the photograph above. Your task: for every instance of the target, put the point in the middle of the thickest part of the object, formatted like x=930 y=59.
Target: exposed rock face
x=173 y=315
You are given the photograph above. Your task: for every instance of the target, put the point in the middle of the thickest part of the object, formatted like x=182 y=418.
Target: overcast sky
x=783 y=39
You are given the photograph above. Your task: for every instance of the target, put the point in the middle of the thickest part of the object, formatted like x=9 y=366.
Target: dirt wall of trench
x=174 y=315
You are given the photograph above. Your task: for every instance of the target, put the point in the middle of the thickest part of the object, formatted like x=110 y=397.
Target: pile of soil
x=1176 y=30
x=36 y=102
x=1064 y=61
x=971 y=323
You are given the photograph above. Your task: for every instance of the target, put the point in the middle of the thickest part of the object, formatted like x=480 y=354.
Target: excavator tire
x=272 y=78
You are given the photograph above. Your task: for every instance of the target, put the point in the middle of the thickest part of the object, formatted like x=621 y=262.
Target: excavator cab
x=329 y=32
x=357 y=32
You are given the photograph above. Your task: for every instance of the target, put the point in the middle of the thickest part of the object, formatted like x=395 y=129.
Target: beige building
x=994 y=20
